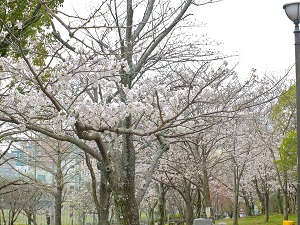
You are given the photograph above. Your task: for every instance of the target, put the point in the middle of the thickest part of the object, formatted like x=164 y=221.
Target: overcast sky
x=258 y=30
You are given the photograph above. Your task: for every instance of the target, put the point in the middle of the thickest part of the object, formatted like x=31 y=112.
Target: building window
x=41 y=177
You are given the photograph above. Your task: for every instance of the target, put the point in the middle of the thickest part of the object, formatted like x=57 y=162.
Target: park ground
x=276 y=219
x=260 y=220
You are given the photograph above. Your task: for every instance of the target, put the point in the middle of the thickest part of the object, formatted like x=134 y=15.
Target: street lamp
x=292 y=10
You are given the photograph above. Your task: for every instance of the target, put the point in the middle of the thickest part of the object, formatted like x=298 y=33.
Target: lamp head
x=292 y=10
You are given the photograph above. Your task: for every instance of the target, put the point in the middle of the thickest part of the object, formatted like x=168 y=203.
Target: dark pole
x=297 y=65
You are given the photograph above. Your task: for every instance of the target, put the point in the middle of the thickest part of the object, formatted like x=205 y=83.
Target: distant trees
x=283 y=118
x=5 y=182
x=24 y=199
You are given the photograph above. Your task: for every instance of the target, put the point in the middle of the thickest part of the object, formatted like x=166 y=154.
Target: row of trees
x=133 y=86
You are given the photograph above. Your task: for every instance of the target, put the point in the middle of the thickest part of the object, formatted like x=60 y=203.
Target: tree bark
x=59 y=189
x=285 y=198
x=283 y=185
x=198 y=203
x=280 y=206
x=236 y=196
x=102 y=204
x=267 y=210
x=125 y=195
x=248 y=204
x=162 y=204
x=260 y=195
x=206 y=189
x=29 y=217
x=189 y=215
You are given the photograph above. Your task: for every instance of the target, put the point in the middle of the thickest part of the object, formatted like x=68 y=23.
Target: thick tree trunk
x=127 y=210
x=125 y=195
x=104 y=203
x=189 y=213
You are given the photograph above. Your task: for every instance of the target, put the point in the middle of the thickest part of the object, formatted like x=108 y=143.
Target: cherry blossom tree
x=283 y=119
x=190 y=171
x=271 y=134
x=129 y=77
x=241 y=149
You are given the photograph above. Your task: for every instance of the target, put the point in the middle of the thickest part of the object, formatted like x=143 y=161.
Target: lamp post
x=292 y=10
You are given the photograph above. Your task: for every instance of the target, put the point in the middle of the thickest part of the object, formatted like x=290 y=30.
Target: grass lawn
x=255 y=220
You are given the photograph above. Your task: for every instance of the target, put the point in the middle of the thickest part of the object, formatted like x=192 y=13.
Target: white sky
x=258 y=30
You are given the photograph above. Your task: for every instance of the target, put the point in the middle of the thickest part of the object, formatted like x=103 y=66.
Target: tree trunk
x=189 y=213
x=236 y=196
x=82 y=219
x=34 y=217
x=188 y=202
x=198 y=203
x=248 y=204
x=102 y=205
x=13 y=216
x=57 y=206
x=206 y=190
x=267 y=210
x=283 y=185
x=151 y=218
x=2 y=217
x=260 y=196
x=104 y=202
x=162 y=204
x=279 y=201
x=125 y=195
x=128 y=210
x=29 y=217
x=59 y=188
x=285 y=198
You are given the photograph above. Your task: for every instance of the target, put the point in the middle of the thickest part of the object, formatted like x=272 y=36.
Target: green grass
x=260 y=220
x=255 y=220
